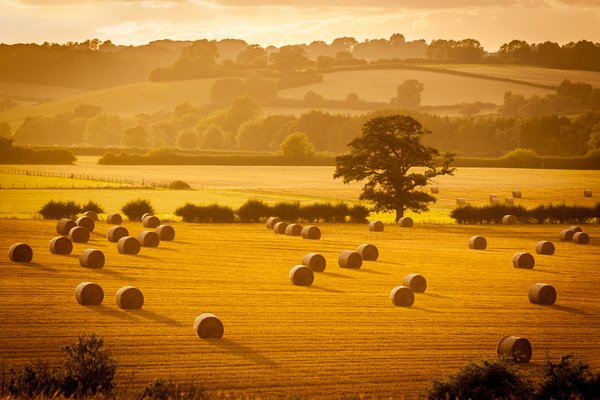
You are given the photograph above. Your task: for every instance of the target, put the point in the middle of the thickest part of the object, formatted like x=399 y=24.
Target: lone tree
x=385 y=155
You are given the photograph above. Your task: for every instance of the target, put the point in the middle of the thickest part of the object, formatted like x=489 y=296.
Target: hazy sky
x=279 y=22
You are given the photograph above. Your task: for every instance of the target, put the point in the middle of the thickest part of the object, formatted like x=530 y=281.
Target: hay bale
x=314 y=261
x=477 y=243
x=406 y=222
x=587 y=193
x=301 y=275
x=271 y=221
x=279 y=228
x=311 y=232
x=92 y=215
x=165 y=232
x=86 y=222
x=208 y=326
x=114 y=219
x=517 y=348
x=402 y=296
x=493 y=196
x=64 y=226
x=115 y=233
x=148 y=239
x=523 y=259
x=545 y=247
x=517 y=194
x=89 y=294
x=376 y=226
x=509 y=201
x=130 y=298
x=581 y=238
x=461 y=201
x=349 y=259
x=151 y=221
x=417 y=283
x=494 y=201
x=61 y=245
x=20 y=252
x=575 y=229
x=566 y=235
x=144 y=215
x=509 y=219
x=293 y=230
x=128 y=245
x=435 y=189
x=91 y=258
x=368 y=252
x=541 y=293
x=79 y=234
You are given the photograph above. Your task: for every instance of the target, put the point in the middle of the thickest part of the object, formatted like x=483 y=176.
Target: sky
x=281 y=22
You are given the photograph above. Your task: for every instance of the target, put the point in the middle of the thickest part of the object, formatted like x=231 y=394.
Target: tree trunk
x=399 y=213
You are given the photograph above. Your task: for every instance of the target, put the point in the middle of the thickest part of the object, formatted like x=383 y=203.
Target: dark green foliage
x=568 y=379
x=92 y=206
x=213 y=213
x=254 y=211
x=179 y=185
x=136 y=208
x=554 y=214
x=59 y=209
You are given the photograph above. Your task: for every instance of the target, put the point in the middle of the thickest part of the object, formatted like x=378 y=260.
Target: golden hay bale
x=461 y=201
x=91 y=258
x=64 y=226
x=208 y=326
x=87 y=223
x=517 y=348
x=581 y=238
x=61 y=245
x=587 y=193
x=79 y=235
x=314 y=261
x=20 y=252
x=494 y=201
x=541 y=293
x=566 y=235
x=477 y=243
x=92 y=215
x=165 y=232
x=435 y=189
x=115 y=233
x=523 y=259
x=509 y=200
x=368 y=252
x=402 y=296
x=279 y=228
x=376 y=226
x=144 y=215
x=89 y=294
x=301 y=275
x=130 y=298
x=311 y=232
x=406 y=222
x=517 y=194
x=293 y=230
x=128 y=245
x=509 y=219
x=545 y=247
x=114 y=219
x=493 y=196
x=575 y=229
x=349 y=259
x=148 y=239
x=271 y=221
x=151 y=221
x=417 y=283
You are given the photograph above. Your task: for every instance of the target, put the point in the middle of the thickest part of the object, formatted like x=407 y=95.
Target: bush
x=212 y=213
x=568 y=379
x=33 y=380
x=359 y=214
x=253 y=211
x=179 y=185
x=59 y=209
x=553 y=214
x=288 y=211
x=92 y=206
x=165 y=389
x=136 y=208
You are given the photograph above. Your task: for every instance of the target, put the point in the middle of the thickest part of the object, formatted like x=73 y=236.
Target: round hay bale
x=208 y=326
x=64 y=226
x=517 y=194
x=493 y=196
x=509 y=201
x=144 y=215
x=128 y=245
x=461 y=201
x=517 y=348
x=545 y=248
x=417 y=283
x=20 y=252
x=368 y=252
x=311 y=232
x=301 y=275
x=435 y=189
x=376 y=226
x=349 y=259
x=165 y=232
x=587 y=193
x=541 y=293
x=61 y=245
x=581 y=238
x=566 y=235
x=130 y=298
x=91 y=258
x=79 y=234
x=406 y=222
x=477 y=243
x=314 y=261
x=271 y=221
x=115 y=233
x=114 y=219
x=494 y=201
x=279 y=228
x=148 y=239
x=89 y=294
x=92 y=215
x=151 y=221
x=402 y=296
x=575 y=229
x=87 y=223
x=293 y=230
x=509 y=219
x=523 y=259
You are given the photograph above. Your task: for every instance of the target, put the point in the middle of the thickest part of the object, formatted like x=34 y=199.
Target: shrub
x=359 y=213
x=33 y=380
x=544 y=213
x=92 y=206
x=254 y=211
x=212 y=213
x=136 y=208
x=568 y=379
x=187 y=212
x=288 y=211
x=59 y=209
x=179 y=185
x=159 y=389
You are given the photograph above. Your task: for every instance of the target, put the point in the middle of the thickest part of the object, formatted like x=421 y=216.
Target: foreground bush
x=136 y=208
x=568 y=379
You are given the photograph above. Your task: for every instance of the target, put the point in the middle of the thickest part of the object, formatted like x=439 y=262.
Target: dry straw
x=115 y=233
x=477 y=243
x=130 y=298
x=517 y=348
x=402 y=296
x=406 y=222
x=376 y=226
x=435 y=189
x=311 y=232
x=165 y=232
x=509 y=219
x=128 y=245
x=279 y=228
x=114 y=219
x=271 y=221
x=92 y=215
x=87 y=223
x=208 y=326
x=20 y=252
x=517 y=194
x=61 y=245
x=368 y=252
x=542 y=293
x=314 y=261
x=545 y=248
x=581 y=238
x=301 y=275
x=79 y=234
x=566 y=235
x=461 y=201
x=587 y=193
x=293 y=230
x=151 y=221
x=148 y=239
x=89 y=294
x=349 y=259
x=64 y=226
x=417 y=283
x=523 y=259
x=91 y=258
